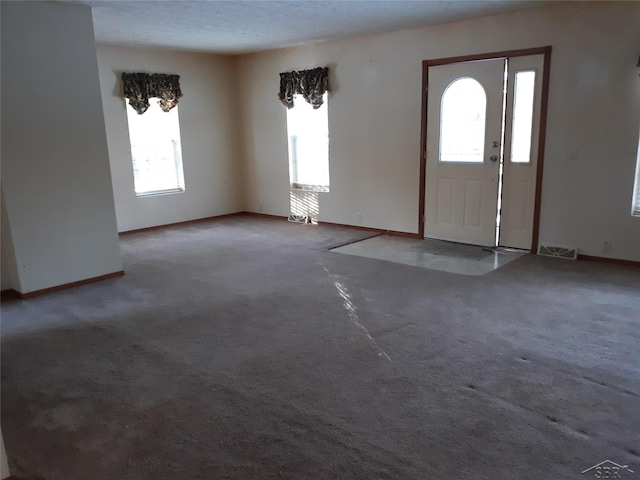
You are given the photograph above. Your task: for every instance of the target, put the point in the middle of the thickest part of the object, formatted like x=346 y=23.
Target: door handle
x=493 y=158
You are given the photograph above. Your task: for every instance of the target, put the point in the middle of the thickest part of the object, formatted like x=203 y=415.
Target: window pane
x=308 y=132
x=462 y=122
x=156 y=152
x=522 y=117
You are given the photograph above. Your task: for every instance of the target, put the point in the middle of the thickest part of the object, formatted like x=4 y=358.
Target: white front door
x=464 y=134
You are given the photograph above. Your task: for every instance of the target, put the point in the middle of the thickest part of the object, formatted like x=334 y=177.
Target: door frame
x=546 y=51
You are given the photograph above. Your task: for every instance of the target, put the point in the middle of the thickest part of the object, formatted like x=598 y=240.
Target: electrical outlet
x=572 y=155
x=359 y=217
x=606 y=246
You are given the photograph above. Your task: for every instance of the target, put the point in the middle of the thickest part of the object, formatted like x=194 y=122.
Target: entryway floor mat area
x=433 y=254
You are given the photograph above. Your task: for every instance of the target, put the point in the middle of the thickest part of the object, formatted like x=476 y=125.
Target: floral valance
x=311 y=84
x=139 y=87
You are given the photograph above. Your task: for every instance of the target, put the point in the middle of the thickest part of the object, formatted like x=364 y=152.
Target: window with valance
x=304 y=93
x=138 y=88
x=156 y=149
x=310 y=84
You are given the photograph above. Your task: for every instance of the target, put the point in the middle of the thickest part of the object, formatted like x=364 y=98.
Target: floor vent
x=299 y=218
x=558 y=252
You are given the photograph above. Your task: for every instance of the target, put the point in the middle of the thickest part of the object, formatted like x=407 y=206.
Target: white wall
x=375 y=108
x=55 y=165
x=208 y=130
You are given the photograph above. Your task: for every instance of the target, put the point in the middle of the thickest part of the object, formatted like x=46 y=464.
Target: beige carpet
x=245 y=349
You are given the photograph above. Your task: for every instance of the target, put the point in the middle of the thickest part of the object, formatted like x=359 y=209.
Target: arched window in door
x=462 y=121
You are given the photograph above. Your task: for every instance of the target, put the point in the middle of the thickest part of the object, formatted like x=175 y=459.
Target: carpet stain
x=570 y=431
x=395 y=328
x=609 y=386
x=66 y=416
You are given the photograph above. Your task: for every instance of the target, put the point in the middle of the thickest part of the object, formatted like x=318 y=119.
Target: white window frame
x=162 y=139
x=450 y=133
x=317 y=151
x=520 y=123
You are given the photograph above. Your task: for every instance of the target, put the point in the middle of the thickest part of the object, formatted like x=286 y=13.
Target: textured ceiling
x=234 y=27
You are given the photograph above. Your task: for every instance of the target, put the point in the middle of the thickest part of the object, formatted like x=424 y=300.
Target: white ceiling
x=241 y=26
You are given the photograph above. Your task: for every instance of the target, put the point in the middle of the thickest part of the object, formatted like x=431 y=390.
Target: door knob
x=495 y=144
x=493 y=158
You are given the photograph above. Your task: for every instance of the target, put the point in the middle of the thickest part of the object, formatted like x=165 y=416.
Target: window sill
x=299 y=187
x=160 y=192
x=309 y=188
